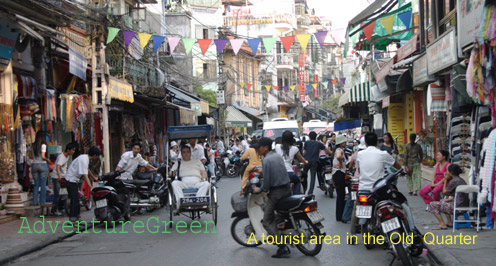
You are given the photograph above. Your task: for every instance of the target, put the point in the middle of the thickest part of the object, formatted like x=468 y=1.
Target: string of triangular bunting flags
x=309 y=87
x=220 y=44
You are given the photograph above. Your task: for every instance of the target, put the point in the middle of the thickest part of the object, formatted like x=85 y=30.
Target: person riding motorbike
x=276 y=184
x=130 y=161
x=288 y=152
x=255 y=161
x=191 y=173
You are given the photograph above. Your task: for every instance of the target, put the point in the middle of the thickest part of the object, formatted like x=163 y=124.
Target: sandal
x=439 y=228
x=410 y=193
x=449 y=225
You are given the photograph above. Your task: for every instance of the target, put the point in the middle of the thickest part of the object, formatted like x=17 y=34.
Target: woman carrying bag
x=39 y=167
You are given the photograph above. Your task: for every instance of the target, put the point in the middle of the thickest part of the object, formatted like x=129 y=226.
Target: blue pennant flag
x=309 y=88
x=406 y=17
x=254 y=43
x=157 y=41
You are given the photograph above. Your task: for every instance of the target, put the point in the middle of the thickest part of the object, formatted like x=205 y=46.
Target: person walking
x=39 y=168
x=288 y=152
x=59 y=173
x=311 y=152
x=436 y=185
x=389 y=145
x=413 y=157
x=339 y=175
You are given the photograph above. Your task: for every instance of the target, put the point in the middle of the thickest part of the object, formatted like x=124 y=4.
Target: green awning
x=236 y=118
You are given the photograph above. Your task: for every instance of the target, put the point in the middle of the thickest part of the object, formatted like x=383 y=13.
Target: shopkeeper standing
x=39 y=168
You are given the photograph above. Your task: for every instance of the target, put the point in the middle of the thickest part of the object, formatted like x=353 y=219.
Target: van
x=277 y=126
x=313 y=125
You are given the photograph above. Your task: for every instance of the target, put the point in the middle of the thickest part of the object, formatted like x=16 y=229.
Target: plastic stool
x=459 y=224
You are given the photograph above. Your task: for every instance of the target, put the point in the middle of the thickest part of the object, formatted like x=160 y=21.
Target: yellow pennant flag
x=292 y=87
x=267 y=87
x=387 y=22
x=314 y=86
x=303 y=39
x=242 y=84
x=144 y=38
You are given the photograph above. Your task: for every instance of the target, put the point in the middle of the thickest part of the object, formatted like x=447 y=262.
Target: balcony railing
x=252 y=20
x=285 y=59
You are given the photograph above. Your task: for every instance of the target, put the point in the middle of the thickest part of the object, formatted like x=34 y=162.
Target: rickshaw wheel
x=213 y=204
x=171 y=208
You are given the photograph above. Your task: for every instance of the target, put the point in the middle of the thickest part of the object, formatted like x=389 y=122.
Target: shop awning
x=178 y=94
x=405 y=63
x=344 y=99
x=249 y=110
x=236 y=118
x=378 y=7
x=360 y=93
x=340 y=126
x=405 y=82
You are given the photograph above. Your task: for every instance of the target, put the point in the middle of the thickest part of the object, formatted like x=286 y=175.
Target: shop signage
x=205 y=108
x=301 y=74
x=120 y=90
x=8 y=38
x=420 y=74
x=385 y=102
x=396 y=122
x=220 y=97
x=196 y=107
x=442 y=53
x=382 y=73
x=77 y=64
x=469 y=13
x=409 y=48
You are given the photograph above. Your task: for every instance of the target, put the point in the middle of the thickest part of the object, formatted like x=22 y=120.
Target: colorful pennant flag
x=292 y=87
x=285 y=88
x=268 y=44
x=334 y=82
x=275 y=88
x=254 y=43
x=315 y=91
x=220 y=44
x=173 y=41
x=188 y=44
x=406 y=18
x=204 y=44
x=267 y=87
x=157 y=41
x=259 y=87
x=309 y=88
x=128 y=36
x=369 y=30
x=144 y=38
x=242 y=84
x=287 y=42
x=320 y=36
x=236 y=45
x=303 y=40
x=324 y=84
x=112 y=32
x=249 y=86
x=387 y=22
x=343 y=80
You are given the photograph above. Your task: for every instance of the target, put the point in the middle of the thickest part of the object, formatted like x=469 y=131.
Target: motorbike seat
x=138 y=182
x=190 y=190
x=144 y=176
x=292 y=202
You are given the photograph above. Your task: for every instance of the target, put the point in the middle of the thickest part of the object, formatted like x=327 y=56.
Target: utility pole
x=222 y=89
x=99 y=86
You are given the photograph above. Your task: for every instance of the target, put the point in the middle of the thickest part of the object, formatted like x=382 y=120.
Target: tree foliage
x=208 y=95
x=332 y=104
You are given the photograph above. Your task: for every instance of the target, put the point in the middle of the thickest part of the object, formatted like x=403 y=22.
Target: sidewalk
x=14 y=244
x=481 y=252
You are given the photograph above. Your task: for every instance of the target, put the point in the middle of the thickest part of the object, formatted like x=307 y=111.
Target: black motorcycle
x=382 y=212
x=233 y=168
x=111 y=199
x=325 y=173
x=148 y=190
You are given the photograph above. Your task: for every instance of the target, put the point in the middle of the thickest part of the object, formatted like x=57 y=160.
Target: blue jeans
x=40 y=175
x=293 y=178
x=348 y=208
x=56 y=193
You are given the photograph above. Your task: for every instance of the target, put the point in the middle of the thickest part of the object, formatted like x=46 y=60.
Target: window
x=205 y=34
x=209 y=71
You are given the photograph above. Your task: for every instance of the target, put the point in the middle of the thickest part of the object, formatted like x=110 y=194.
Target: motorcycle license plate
x=363 y=211
x=353 y=195
x=63 y=191
x=390 y=225
x=315 y=216
x=328 y=176
x=101 y=203
x=195 y=200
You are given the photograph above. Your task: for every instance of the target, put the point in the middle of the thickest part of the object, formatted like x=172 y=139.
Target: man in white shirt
x=197 y=151
x=192 y=173
x=237 y=147
x=79 y=170
x=130 y=161
x=59 y=173
x=219 y=144
x=245 y=144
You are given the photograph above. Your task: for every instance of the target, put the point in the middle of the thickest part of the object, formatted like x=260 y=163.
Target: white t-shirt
x=197 y=153
x=189 y=168
x=129 y=163
x=371 y=162
x=78 y=168
x=62 y=161
x=38 y=159
x=288 y=160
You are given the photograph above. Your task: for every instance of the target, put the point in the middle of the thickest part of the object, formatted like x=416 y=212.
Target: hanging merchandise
x=488 y=173
x=73 y=111
x=49 y=109
x=27 y=87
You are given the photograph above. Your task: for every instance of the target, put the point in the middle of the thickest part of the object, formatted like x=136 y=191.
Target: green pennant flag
x=188 y=44
x=259 y=87
x=112 y=32
x=269 y=44
x=325 y=84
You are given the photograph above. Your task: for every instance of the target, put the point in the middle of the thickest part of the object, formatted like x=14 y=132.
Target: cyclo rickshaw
x=190 y=205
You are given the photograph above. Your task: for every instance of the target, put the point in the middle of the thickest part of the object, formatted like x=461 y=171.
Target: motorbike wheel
x=241 y=230
x=89 y=204
x=403 y=255
x=232 y=171
x=170 y=205
x=133 y=196
x=67 y=206
x=309 y=231
x=365 y=231
x=219 y=173
x=330 y=191
x=110 y=218
x=213 y=204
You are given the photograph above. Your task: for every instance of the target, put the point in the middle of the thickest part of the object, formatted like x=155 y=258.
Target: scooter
x=66 y=202
x=111 y=199
x=219 y=165
x=295 y=216
x=148 y=190
x=389 y=216
x=234 y=164
x=326 y=172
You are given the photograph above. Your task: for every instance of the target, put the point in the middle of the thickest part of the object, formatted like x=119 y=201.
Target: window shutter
x=199 y=32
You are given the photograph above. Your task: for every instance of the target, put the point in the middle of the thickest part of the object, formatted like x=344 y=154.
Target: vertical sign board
x=410 y=114
x=469 y=13
x=396 y=122
x=301 y=74
x=220 y=97
x=442 y=54
x=8 y=38
x=77 y=64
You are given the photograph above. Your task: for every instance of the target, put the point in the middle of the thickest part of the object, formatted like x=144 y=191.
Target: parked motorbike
x=65 y=201
x=381 y=211
x=112 y=199
x=148 y=190
x=233 y=165
x=219 y=164
x=295 y=215
x=326 y=174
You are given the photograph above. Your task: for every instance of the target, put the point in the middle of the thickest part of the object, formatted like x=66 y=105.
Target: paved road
x=200 y=249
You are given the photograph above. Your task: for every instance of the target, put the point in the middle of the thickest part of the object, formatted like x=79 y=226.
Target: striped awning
x=360 y=93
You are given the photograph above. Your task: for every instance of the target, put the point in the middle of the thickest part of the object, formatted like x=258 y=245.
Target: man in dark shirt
x=276 y=183
x=311 y=152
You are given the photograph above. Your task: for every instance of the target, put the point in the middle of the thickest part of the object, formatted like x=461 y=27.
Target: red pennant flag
x=334 y=81
x=287 y=42
x=369 y=30
x=204 y=44
x=249 y=86
x=275 y=88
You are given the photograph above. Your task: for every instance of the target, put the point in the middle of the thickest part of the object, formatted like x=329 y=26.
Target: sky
x=338 y=11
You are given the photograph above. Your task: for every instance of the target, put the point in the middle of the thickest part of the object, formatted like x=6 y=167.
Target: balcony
x=282 y=22
x=284 y=61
